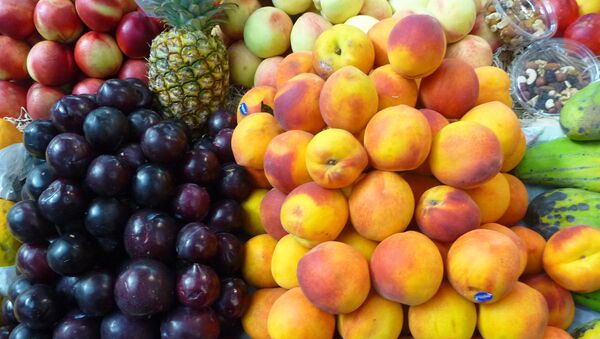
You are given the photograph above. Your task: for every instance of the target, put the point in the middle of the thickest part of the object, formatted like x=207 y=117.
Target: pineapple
x=188 y=66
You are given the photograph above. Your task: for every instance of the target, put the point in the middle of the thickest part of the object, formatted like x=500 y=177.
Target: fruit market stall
x=300 y=169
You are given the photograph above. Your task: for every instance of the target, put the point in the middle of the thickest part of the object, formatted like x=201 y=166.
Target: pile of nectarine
x=389 y=187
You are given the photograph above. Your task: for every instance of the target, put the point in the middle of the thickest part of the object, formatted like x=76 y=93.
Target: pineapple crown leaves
x=196 y=14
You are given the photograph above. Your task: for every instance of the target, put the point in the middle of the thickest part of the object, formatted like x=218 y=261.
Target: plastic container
x=551 y=71
x=521 y=22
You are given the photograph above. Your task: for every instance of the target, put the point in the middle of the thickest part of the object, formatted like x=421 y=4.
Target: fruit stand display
x=300 y=169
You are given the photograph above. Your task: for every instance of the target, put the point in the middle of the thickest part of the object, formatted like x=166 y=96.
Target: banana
x=589 y=330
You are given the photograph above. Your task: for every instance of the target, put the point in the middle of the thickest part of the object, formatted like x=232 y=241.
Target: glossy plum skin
x=37 y=136
x=106 y=217
x=226 y=215
x=32 y=263
x=196 y=243
x=152 y=186
x=65 y=289
x=69 y=112
x=150 y=234
x=106 y=129
x=62 y=202
x=18 y=286
x=76 y=324
x=222 y=145
x=119 y=326
x=198 y=286
x=38 y=307
x=201 y=167
x=119 y=94
x=38 y=179
x=233 y=299
x=69 y=155
x=165 y=142
x=132 y=156
x=25 y=332
x=94 y=293
x=191 y=203
x=235 y=183
x=229 y=258
x=219 y=120
x=8 y=314
x=26 y=223
x=108 y=176
x=72 y=254
x=140 y=121
x=185 y=322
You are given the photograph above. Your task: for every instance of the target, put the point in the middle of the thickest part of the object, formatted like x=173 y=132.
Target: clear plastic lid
x=551 y=71
x=520 y=22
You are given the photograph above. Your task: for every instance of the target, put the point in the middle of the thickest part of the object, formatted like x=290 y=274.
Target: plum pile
x=129 y=227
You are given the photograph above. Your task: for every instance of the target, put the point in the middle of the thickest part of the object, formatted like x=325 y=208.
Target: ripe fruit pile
x=127 y=229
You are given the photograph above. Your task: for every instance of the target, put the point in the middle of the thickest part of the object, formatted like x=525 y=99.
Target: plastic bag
x=8 y=274
x=15 y=165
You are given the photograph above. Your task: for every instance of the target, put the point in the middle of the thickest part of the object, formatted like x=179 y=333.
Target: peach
x=473 y=50
x=407 y=268
x=380 y=205
x=443 y=247
x=515 y=238
x=446 y=315
x=292 y=316
x=519 y=199
x=416 y=46
x=392 y=88
x=523 y=313
x=51 y=63
x=483 y=265
x=348 y=99
x=398 y=138
x=254 y=320
x=252 y=224
x=270 y=209
x=313 y=213
x=494 y=85
x=465 y=154
x=254 y=101
x=444 y=213
x=258 y=178
x=561 y=307
x=438 y=90
x=242 y=64
x=293 y=7
x=492 y=197
x=251 y=137
x=501 y=119
x=552 y=332
x=284 y=261
x=285 y=164
x=338 y=11
x=342 y=45
x=419 y=183
x=379 y=9
x=375 y=318
x=267 y=32
x=292 y=65
x=306 y=30
x=456 y=16
x=296 y=104
x=40 y=99
x=334 y=158
x=535 y=245
x=569 y=256
x=350 y=237
x=13 y=54
x=379 y=34
x=436 y=123
x=481 y=29
x=512 y=160
x=266 y=71
x=256 y=268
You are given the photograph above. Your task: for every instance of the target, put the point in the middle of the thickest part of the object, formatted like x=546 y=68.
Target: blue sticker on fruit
x=482 y=297
x=244 y=108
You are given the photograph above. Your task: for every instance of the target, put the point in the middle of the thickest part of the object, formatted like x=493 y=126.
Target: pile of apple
x=50 y=48
x=390 y=210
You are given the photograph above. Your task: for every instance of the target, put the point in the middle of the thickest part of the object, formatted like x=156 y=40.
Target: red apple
x=51 y=63
x=567 y=11
x=98 y=55
x=39 y=100
x=87 y=86
x=134 y=68
x=135 y=33
x=128 y=5
x=13 y=98
x=16 y=18
x=100 y=15
x=57 y=20
x=13 y=54
x=586 y=30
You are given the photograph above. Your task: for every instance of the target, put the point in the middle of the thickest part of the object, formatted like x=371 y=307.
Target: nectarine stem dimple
x=338 y=51
x=331 y=162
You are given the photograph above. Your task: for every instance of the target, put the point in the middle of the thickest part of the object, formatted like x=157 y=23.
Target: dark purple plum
x=108 y=176
x=65 y=289
x=226 y=215
x=38 y=307
x=150 y=234
x=185 y=322
x=69 y=155
x=196 y=243
x=233 y=299
x=106 y=217
x=144 y=287
x=32 y=263
x=164 y=143
x=8 y=314
x=230 y=254
x=179 y=123
x=64 y=201
x=119 y=326
x=143 y=93
x=18 y=286
x=222 y=145
x=72 y=254
x=235 y=183
x=111 y=248
x=68 y=113
x=191 y=203
x=5 y=331
x=204 y=143
x=201 y=167
x=119 y=94
x=106 y=129
x=37 y=136
x=26 y=223
x=77 y=324
x=94 y=293
x=152 y=186
x=219 y=120
x=25 y=332
x=132 y=155
x=38 y=179
x=140 y=121
x=198 y=286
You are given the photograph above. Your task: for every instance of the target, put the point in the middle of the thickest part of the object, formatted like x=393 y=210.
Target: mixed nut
x=517 y=14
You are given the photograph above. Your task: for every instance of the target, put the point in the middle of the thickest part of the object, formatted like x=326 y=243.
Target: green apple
x=242 y=64
x=379 y=9
x=233 y=26
x=306 y=30
x=338 y=11
x=417 y=6
x=267 y=32
x=293 y=7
